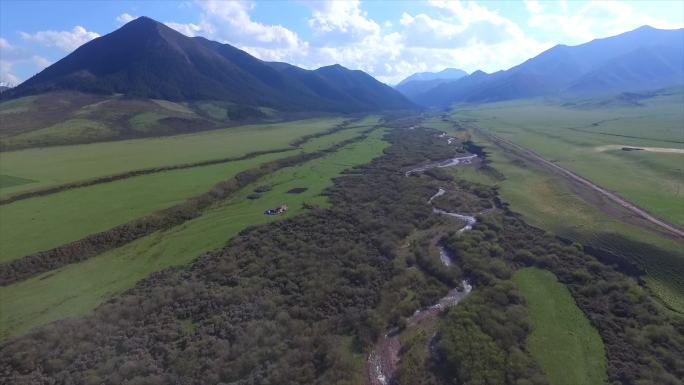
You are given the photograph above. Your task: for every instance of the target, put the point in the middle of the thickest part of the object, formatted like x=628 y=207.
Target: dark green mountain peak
x=147 y=59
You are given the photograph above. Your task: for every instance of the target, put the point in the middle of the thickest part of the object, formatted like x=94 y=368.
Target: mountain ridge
x=642 y=59
x=147 y=59
x=421 y=82
x=447 y=73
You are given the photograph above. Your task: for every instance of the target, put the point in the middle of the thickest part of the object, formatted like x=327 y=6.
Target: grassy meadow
x=78 y=288
x=589 y=139
x=566 y=346
x=58 y=165
x=73 y=214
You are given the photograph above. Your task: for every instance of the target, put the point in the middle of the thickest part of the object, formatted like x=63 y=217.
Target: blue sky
x=388 y=39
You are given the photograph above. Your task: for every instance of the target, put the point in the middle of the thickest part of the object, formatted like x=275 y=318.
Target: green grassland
x=564 y=343
x=58 y=165
x=16 y=106
x=575 y=139
x=8 y=181
x=545 y=201
x=78 y=288
x=87 y=129
x=213 y=110
x=73 y=214
x=438 y=123
x=144 y=121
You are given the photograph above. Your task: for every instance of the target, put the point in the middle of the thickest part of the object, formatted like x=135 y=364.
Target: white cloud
x=370 y=54
x=11 y=56
x=187 y=29
x=595 y=19
x=41 y=62
x=461 y=34
x=464 y=35
x=125 y=18
x=6 y=76
x=230 y=22
x=451 y=34
x=67 y=41
x=533 y=6
x=341 y=20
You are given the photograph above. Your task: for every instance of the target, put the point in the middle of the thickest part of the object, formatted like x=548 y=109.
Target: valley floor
x=78 y=288
x=380 y=222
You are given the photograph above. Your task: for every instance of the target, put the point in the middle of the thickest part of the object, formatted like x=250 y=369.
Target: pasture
x=73 y=214
x=78 y=288
x=64 y=164
x=564 y=343
x=8 y=181
x=588 y=141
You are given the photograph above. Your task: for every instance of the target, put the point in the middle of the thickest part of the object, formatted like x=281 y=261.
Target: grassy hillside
x=58 y=165
x=61 y=118
x=589 y=141
x=564 y=343
x=78 y=288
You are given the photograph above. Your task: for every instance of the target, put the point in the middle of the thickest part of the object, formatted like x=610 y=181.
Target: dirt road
x=528 y=154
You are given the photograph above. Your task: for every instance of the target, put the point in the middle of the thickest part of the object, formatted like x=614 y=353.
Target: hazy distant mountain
x=657 y=66
x=147 y=59
x=448 y=73
x=452 y=90
x=4 y=88
x=419 y=83
x=646 y=58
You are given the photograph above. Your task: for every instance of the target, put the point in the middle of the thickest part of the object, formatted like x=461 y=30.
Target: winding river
x=384 y=358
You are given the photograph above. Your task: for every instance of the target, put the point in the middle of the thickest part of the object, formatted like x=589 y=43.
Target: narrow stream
x=445 y=163
x=384 y=358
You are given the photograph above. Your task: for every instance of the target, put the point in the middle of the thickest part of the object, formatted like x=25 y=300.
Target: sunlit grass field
x=567 y=347
x=78 y=288
x=58 y=165
x=577 y=139
x=73 y=214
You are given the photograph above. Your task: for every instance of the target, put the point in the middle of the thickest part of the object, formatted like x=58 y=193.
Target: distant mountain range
x=445 y=74
x=644 y=59
x=147 y=59
x=421 y=82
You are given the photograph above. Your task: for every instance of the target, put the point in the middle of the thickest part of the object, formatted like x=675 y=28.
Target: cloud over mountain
x=413 y=37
